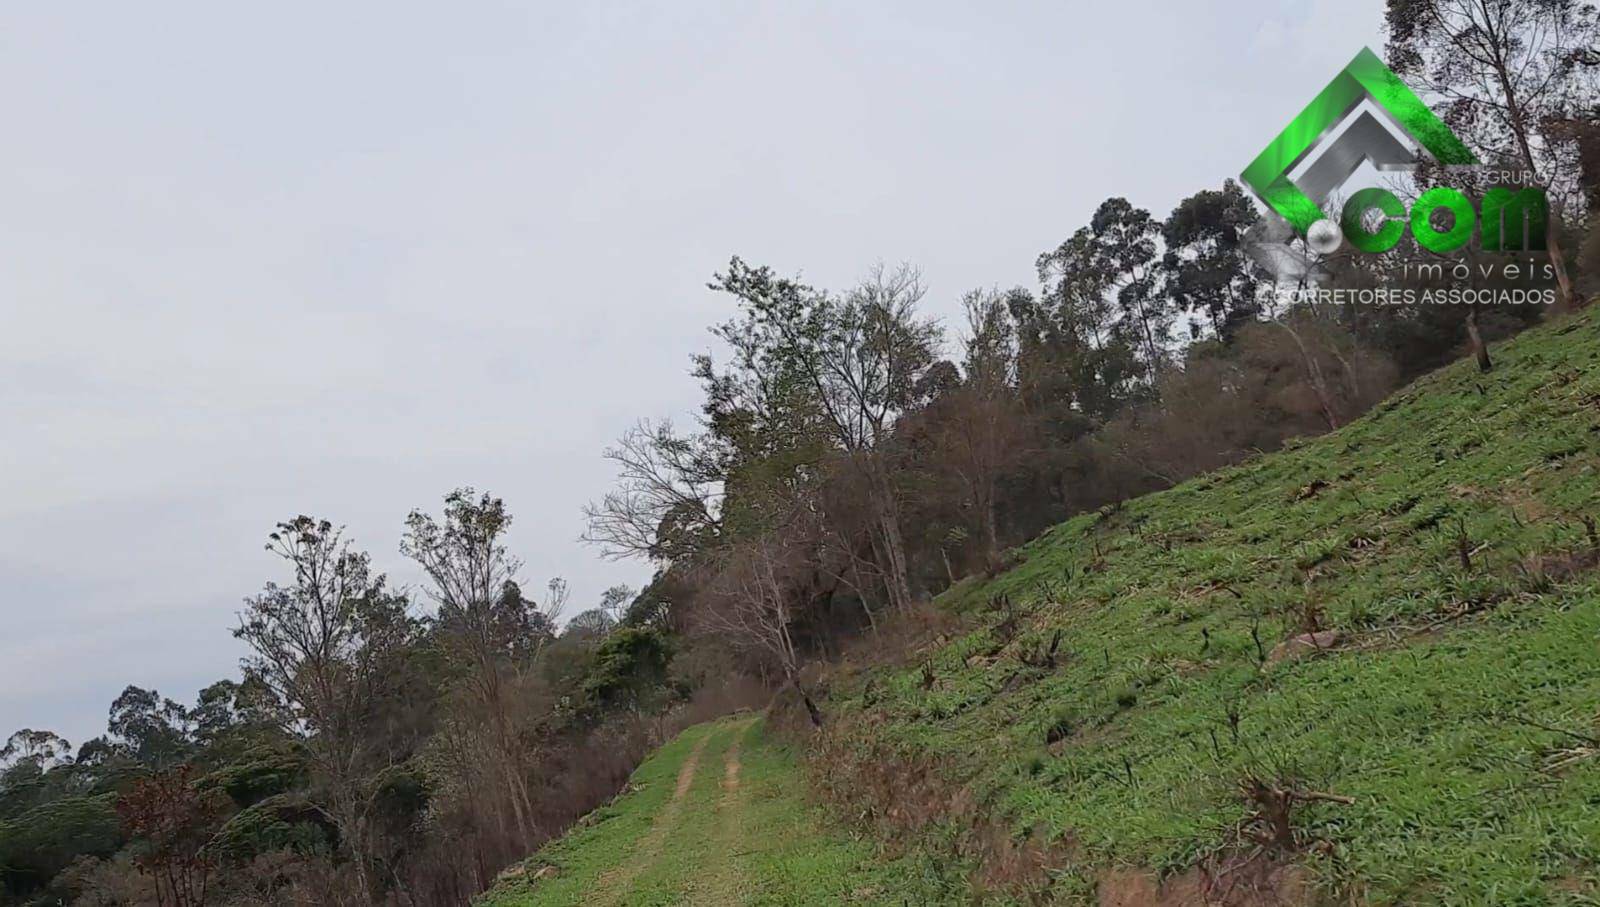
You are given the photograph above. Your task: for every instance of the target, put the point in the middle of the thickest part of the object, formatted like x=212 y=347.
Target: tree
x=30 y=763
x=592 y=624
x=171 y=822
x=630 y=669
x=977 y=427
x=529 y=626
x=1127 y=241
x=1074 y=363
x=151 y=730
x=653 y=606
x=751 y=605
x=1208 y=272
x=614 y=601
x=327 y=647
x=858 y=360
x=1511 y=72
x=665 y=503
x=38 y=750
x=40 y=841
x=483 y=620
x=1110 y=270
x=990 y=346
x=980 y=439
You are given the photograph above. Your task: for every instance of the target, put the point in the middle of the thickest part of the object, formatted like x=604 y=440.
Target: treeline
x=848 y=463
x=370 y=753
x=844 y=469
x=851 y=458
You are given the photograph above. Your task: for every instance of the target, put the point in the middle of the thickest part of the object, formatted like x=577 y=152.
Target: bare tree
x=174 y=821
x=751 y=605
x=981 y=437
x=666 y=497
x=981 y=430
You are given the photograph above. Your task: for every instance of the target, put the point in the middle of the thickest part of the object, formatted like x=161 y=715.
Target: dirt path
x=735 y=829
x=721 y=883
x=730 y=779
x=614 y=885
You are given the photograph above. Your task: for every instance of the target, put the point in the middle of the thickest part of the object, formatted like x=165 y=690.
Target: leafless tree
x=980 y=431
x=861 y=357
x=751 y=604
x=866 y=369
x=981 y=437
x=668 y=486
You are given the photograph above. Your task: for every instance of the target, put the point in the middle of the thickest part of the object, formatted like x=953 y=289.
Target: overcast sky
x=259 y=260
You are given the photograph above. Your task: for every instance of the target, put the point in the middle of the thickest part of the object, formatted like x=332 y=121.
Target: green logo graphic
x=1366 y=115
x=1366 y=140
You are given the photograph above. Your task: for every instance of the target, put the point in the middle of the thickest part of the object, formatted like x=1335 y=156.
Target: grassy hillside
x=1362 y=670
x=715 y=817
x=1448 y=709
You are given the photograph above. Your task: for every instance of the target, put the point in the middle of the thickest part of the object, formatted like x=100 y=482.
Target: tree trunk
x=991 y=531
x=812 y=712
x=349 y=816
x=880 y=494
x=491 y=688
x=1319 y=384
x=358 y=856
x=1480 y=350
x=518 y=796
x=1558 y=259
x=894 y=549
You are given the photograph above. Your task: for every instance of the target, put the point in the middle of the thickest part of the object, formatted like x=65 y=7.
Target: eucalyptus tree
x=1208 y=272
x=1110 y=272
x=328 y=646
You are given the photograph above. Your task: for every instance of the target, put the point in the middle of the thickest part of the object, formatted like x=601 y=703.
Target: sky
x=338 y=259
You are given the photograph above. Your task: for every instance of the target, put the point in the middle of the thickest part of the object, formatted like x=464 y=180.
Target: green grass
x=606 y=836
x=761 y=845
x=1428 y=714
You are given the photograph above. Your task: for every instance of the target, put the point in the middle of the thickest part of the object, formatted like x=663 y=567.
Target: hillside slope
x=716 y=817
x=1434 y=743
x=1365 y=670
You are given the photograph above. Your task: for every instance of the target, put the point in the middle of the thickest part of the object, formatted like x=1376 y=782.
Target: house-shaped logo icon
x=1364 y=139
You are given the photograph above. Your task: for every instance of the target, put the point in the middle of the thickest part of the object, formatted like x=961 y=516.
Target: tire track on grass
x=722 y=882
x=613 y=886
